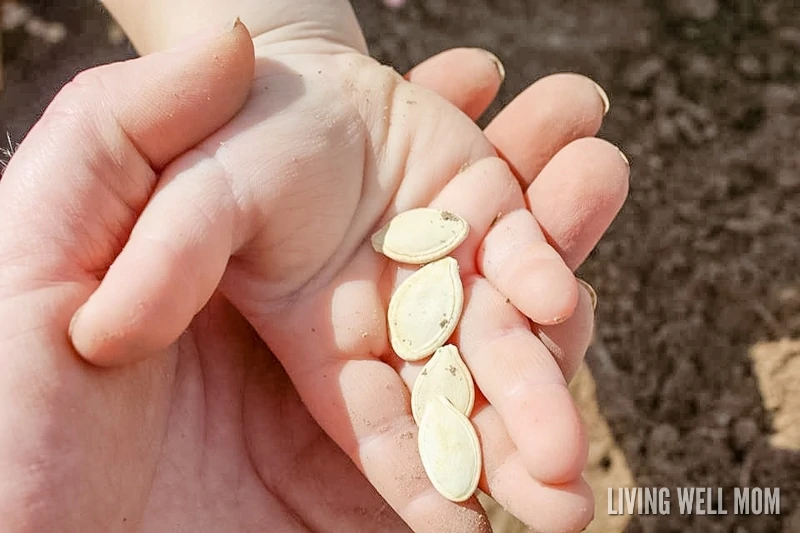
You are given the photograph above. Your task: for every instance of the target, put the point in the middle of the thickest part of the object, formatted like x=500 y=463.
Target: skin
x=162 y=409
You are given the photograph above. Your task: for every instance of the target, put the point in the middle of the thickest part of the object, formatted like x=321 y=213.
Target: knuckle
x=79 y=99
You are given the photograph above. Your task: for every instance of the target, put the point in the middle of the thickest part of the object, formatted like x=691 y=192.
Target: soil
x=694 y=376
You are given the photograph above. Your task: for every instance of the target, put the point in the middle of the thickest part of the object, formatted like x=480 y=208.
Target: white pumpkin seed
x=420 y=235
x=425 y=308
x=444 y=375
x=450 y=450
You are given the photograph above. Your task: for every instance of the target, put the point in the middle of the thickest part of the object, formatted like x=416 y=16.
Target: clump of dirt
x=699 y=296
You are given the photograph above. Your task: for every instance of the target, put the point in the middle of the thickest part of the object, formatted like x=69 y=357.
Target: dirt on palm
x=694 y=376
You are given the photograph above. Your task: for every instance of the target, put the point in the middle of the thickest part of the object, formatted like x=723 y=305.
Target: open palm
x=279 y=205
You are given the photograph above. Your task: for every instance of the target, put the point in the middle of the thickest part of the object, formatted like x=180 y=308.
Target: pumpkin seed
x=450 y=450
x=425 y=308
x=444 y=375
x=420 y=235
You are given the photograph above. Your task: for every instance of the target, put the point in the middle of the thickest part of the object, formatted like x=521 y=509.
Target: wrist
x=154 y=25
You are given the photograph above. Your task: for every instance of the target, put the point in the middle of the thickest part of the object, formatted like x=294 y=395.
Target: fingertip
x=541 y=285
x=468 y=78
x=138 y=310
x=560 y=290
x=240 y=46
x=515 y=257
x=571 y=508
x=568 y=341
x=549 y=114
x=578 y=494
x=96 y=344
x=552 y=441
x=546 y=508
x=588 y=179
x=203 y=82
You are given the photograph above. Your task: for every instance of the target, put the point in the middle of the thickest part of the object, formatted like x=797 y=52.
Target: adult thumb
x=74 y=189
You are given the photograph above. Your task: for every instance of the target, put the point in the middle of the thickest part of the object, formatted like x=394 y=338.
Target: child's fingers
x=469 y=78
x=545 y=135
x=167 y=271
x=516 y=258
x=563 y=506
x=483 y=194
x=545 y=508
x=519 y=377
x=577 y=195
x=510 y=249
x=547 y=116
x=517 y=374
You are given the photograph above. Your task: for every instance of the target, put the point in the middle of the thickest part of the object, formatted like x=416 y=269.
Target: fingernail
x=591 y=291
x=207 y=34
x=624 y=157
x=558 y=320
x=603 y=97
x=498 y=65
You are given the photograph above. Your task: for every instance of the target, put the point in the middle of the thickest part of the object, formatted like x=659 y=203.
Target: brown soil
x=695 y=373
